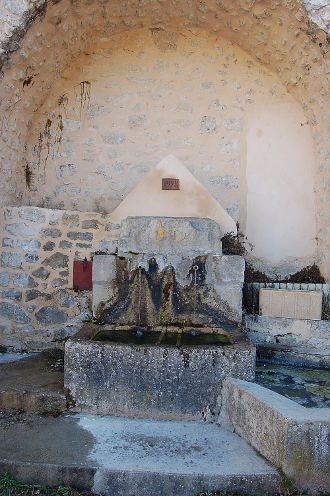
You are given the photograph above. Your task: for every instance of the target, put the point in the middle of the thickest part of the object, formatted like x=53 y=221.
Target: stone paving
x=119 y=456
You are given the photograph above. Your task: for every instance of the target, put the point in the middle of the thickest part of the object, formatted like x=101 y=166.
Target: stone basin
x=169 y=373
x=164 y=337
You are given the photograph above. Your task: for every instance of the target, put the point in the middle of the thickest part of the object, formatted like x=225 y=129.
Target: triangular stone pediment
x=191 y=200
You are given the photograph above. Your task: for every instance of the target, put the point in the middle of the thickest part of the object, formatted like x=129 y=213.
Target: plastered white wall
x=280 y=183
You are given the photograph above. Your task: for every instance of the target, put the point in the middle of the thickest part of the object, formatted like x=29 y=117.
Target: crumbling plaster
x=282 y=36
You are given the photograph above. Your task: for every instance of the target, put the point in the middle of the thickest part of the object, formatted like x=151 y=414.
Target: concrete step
x=32 y=382
x=132 y=457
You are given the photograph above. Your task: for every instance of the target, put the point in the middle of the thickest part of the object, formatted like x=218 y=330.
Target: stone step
x=117 y=456
x=32 y=382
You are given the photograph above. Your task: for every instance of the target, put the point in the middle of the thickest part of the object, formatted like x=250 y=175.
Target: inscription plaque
x=170 y=183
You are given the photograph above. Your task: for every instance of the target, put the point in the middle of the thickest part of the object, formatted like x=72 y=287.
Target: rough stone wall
x=280 y=35
x=305 y=335
x=139 y=103
x=37 y=304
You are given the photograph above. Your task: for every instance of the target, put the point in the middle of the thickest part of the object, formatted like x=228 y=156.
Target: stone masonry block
x=168 y=235
x=225 y=269
x=24 y=280
x=11 y=259
x=104 y=273
x=20 y=229
x=104 y=268
x=31 y=214
x=229 y=300
x=29 y=245
x=14 y=312
x=4 y=278
x=51 y=315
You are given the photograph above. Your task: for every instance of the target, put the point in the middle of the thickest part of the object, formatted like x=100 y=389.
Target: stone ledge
x=186 y=236
x=291 y=436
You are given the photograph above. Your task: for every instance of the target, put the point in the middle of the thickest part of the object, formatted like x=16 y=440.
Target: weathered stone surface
x=228 y=298
x=31 y=257
x=225 y=269
x=113 y=378
x=41 y=273
x=49 y=246
x=114 y=138
x=51 y=315
x=66 y=299
x=53 y=218
x=136 y=120
x=58 y=282
x=291 y=436
x=11 y=259
x=233 y=124
x=64 y=244
x=70 y=220
x=32 y=294
x=32 y=214
x=20 y=229
x=9 y=213
x=14 y=312
x=57 y=261
x=111 y=226
x=24 y=280
x=84 y=245
x=108 y=246
x=290 y=341
x=83 y=236
x=12 y=294
x=66 y=170
x=50 y=232
x=228 y=181
x=90 y=224
x=7 y=242
x=167 y=235
x=208 y=124
x=104 y=268
x=4 y=278
x=29 y=245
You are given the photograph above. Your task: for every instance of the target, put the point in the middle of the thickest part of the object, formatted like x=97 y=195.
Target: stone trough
x=122 y=376
x=169 y=304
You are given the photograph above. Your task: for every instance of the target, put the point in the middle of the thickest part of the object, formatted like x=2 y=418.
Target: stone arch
x=46 y=37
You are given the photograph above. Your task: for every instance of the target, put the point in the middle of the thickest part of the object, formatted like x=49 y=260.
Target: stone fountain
x=168 y=307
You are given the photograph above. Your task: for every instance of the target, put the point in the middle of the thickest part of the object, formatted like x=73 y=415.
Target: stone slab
x=188 y=237
x=152 y=381
x=124 y=457
x=292 y=437
x=290 y=304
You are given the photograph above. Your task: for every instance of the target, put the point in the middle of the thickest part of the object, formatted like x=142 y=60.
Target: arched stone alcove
x=95 y=93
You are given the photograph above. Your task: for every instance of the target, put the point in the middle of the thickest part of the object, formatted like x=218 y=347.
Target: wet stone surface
x=142 y=337
x=308 y=387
